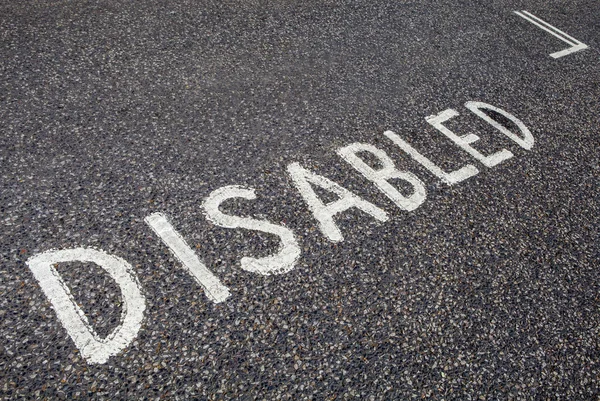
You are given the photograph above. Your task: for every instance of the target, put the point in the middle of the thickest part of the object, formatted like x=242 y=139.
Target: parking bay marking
x=576 y=45
x=98 y=350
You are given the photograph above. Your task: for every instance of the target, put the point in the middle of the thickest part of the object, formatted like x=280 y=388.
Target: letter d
x=93 y=348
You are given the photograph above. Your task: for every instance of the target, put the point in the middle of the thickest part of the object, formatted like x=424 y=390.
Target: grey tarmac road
x=112 y=112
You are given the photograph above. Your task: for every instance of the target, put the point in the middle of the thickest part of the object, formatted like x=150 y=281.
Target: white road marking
x=380 y=177
x=213 y=288
x=526 y=142
x=575 y=44
x=465 y=141
x=93 y=348
x=303 y=179
x=289 y=251
x=97 y=350
x=449 y=178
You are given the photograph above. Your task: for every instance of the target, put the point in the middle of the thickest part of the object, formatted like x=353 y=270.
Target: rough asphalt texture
x=110 y=111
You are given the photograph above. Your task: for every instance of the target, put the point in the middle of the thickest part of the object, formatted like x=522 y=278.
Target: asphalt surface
x=111 y=111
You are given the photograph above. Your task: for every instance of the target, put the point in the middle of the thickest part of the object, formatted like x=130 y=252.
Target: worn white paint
x=382 y=176
x=93 y=348
x=213 y=288
x=449 y=178
x=575 y=44
x=526 y=142
x=289 y=251
x=303 y=179
x=465 y=141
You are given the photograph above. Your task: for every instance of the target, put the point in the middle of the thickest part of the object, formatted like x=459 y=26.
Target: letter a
x=324 y=213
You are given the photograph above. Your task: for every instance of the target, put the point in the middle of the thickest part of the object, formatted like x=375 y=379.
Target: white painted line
x=213 y=288
x=452 y=178
x=303 y=179
x=576 y=45
x=570 y=39
x=93 y=348
x=350 y=153
x=289 y=251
